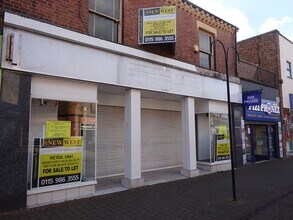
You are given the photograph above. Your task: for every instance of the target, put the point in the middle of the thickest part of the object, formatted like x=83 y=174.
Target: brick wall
x=262 y=50
x=187 y=35
x=71 y=14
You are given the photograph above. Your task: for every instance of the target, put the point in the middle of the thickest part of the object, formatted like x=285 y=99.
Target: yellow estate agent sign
x=56 y=129
x=223 y=143
x=57 y=161
x=223 y=148
x=157 y=25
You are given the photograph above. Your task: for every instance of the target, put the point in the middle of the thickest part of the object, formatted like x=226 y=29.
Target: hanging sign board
x=157 y=25
x=57 y=161
x=251 y=98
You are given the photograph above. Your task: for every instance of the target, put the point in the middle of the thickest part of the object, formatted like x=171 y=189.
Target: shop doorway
x=261 y=142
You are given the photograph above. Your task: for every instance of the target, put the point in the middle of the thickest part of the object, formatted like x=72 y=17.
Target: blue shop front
x=262 y=129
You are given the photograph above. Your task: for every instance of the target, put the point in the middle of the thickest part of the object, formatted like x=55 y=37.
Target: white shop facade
x=100 y=109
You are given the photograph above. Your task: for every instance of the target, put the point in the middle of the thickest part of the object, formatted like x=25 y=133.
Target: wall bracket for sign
x=253 y=91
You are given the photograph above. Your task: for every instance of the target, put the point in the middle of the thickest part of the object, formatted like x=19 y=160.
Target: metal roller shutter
x=110 y=139
x=161 y=139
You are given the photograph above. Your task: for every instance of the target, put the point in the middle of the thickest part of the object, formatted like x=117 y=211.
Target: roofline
x=259 y=35
x=196 y=6
x=285 y=38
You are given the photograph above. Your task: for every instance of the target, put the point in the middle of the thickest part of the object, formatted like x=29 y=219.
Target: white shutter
x=110 y=140
x=160 y=133
x=161 y=139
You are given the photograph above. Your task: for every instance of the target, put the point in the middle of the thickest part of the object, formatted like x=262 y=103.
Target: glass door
x=260 y=142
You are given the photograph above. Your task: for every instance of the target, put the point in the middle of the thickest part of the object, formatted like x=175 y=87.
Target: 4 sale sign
x=157 y=25
x=57 y=161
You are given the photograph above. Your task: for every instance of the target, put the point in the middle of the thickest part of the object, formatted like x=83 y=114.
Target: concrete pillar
x=188 y=137
x=132 y=178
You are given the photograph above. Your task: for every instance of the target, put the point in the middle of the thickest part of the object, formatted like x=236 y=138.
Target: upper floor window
x=288 y=69
x=205 y=50
x=104 y=19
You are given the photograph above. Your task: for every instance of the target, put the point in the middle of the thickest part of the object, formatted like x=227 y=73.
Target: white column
x=188 y=137
x=132 y=177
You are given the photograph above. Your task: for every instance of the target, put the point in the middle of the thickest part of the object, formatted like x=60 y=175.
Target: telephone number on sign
x=48 y=181
x=159 y=39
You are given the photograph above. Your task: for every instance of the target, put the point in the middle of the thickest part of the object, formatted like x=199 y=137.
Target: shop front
x=100 y=110
x=213 y=136
x=263 y=134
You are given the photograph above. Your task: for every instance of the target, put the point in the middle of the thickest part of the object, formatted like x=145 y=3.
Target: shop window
x=104 y=19
x=288 y=69
x=220 y=142
x=205 y=50
x=213 y=137
x=62 y=143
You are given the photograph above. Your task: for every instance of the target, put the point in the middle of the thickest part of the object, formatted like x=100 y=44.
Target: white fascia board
x=28 y=24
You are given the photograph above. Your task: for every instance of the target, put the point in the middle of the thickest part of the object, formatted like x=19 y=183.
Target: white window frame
x=113 y=19
x=289 y=69
x=209 y=53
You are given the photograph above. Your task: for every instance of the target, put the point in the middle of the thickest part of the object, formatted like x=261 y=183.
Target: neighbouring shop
x=213 y=136
x=263 y=136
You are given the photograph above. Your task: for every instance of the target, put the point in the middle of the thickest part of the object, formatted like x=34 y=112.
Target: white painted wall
x=286 y=54
x=53 y=51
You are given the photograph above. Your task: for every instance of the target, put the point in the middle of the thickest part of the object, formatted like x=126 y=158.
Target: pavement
x=264 y=191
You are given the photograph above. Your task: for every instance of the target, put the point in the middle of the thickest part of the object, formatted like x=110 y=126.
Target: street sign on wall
x=157 y=25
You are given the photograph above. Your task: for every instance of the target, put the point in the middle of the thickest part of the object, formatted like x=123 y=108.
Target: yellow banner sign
x=222 y=129
x=223 y=148
x=57 y=129
x=158 y=28
x=60 y=164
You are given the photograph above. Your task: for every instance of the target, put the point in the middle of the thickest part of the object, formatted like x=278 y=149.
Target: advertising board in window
x=57 y=161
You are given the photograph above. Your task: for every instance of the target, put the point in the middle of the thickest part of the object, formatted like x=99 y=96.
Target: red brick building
x=191 y=20
x=266 y=60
